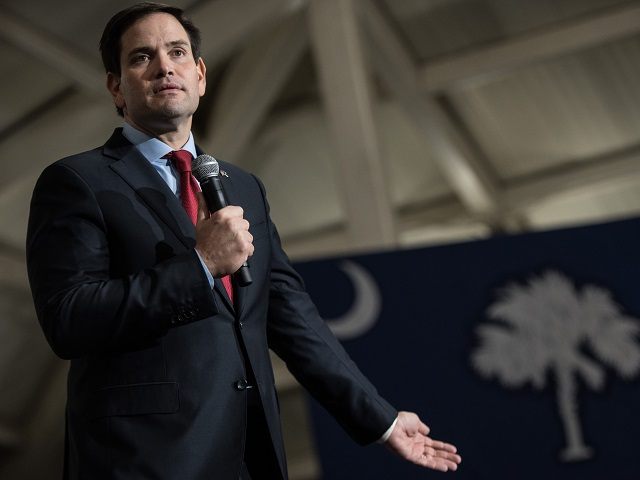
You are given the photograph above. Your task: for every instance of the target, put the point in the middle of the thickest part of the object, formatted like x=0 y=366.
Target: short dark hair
x=110 y=42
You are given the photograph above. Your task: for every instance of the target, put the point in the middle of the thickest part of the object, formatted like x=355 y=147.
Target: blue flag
x=523 y=351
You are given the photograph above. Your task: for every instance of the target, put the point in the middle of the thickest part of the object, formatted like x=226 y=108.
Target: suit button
x=241 y=384
x=240 y=324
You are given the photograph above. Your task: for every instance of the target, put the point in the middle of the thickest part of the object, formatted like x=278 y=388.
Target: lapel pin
x=224 y=173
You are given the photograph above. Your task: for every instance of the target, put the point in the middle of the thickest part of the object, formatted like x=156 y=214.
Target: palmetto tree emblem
x=548 y=327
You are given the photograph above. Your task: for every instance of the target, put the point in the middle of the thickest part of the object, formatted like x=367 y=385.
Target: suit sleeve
x=299 y=336
x=82 y=309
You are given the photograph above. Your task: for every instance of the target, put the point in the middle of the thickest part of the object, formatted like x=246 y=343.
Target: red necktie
x=188 y=188
x=188 y=184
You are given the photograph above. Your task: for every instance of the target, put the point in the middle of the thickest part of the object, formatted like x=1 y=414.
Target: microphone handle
x=216 y=199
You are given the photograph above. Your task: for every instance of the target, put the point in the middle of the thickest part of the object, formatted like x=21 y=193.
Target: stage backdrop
x=522 y=350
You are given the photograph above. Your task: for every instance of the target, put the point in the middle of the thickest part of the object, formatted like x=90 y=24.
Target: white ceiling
x=476 y=115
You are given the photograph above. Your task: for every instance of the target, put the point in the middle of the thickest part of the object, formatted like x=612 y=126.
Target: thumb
x=423 y=428
x=203 y=210
x=413 y=423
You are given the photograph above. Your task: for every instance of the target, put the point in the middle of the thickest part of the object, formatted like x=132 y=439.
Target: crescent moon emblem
x=364 y=312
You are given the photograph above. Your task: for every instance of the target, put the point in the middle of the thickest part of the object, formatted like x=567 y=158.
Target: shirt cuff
x=385 y=436
x=206 y=270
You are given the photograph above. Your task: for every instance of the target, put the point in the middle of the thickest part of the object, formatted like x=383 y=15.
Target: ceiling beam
x=618 y=169
x=225 y=24
x=469 y=177
x=252 y=85
x=438 y=211
x=486 y=63
x=51 y=51
x=348 y=102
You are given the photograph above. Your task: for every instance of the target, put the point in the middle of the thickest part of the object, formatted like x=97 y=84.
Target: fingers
x=439 y=464
x=230 y=211
x=447 y=456
x=223 y=240
x=440 y=445
x=441 y=449
x=231 y=218
x=440 y=461
x=241 y=240
x=440 y=456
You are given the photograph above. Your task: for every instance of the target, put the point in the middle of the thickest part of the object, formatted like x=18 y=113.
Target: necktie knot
x=181 y=159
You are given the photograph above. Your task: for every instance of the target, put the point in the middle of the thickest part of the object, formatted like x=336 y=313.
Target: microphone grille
x=204 y=166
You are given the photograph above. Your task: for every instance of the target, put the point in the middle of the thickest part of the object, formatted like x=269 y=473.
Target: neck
x=175 y=136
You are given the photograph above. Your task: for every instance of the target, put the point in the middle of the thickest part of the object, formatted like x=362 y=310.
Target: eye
x=140 y=58
x=178 y=52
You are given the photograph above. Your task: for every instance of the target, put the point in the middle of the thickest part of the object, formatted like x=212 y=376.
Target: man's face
x=160 y=84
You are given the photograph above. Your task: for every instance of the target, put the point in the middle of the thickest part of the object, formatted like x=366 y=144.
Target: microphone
x=206 y=170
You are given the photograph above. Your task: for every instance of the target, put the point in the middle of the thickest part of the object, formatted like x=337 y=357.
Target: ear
x=113 y=85
x=202 y=76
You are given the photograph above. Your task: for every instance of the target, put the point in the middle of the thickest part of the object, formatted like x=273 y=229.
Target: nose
x=164 y=66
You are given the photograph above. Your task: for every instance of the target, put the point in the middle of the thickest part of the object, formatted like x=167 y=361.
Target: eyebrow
x=147 y=49
x=178 y=43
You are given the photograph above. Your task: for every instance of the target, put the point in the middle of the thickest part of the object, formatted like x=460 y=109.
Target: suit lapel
x=134 y=169
x=219 y=286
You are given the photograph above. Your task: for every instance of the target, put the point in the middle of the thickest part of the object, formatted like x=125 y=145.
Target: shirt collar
x=152 y=148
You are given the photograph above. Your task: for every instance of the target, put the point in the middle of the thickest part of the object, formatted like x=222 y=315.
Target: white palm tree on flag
x=548 y=327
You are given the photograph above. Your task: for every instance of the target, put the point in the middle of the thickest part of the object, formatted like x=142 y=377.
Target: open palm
x=410 y=440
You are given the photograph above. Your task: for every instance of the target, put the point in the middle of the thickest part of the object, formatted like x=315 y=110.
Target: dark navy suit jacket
x=155 y=353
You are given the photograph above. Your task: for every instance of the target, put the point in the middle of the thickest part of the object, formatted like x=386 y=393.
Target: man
x=170 y=376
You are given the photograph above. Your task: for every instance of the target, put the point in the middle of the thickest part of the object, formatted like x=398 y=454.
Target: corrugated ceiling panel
x=574 y=107
x=434 y=28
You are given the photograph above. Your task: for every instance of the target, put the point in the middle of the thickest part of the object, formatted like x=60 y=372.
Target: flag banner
x=522 y=350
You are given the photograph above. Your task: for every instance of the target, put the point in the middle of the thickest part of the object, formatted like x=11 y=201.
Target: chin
x=170 y=110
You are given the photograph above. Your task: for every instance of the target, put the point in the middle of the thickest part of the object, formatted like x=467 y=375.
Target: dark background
x=418 y=355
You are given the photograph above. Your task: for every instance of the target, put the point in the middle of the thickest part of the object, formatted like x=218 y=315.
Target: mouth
x=168 y=87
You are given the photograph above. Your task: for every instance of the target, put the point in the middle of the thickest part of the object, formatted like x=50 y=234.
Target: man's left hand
x=410 y=440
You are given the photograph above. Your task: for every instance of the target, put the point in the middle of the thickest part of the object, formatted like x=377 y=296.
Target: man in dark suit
x=170 y=376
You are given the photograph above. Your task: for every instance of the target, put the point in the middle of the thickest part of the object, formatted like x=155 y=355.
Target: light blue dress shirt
x=154 y=149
